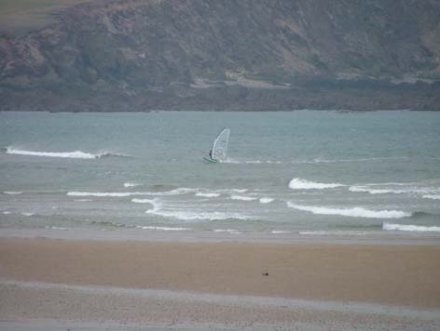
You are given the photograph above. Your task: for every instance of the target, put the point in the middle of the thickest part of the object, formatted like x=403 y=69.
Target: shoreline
x=48 y=284
x=388 y=238
x=386 y=274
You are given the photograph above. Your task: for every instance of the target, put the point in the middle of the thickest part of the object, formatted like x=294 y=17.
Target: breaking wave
x=351 y=212
x=69 y=155
x=266 y=200
x=129 y=184
x=432 y=196
x=409 y=228
x=177 y=191
x=230 y=231
x=302 y=184
x=161 y=228
x=12 y=192
x=190 y=215
x=207 y=194
x=373 y=189
x=242 y=198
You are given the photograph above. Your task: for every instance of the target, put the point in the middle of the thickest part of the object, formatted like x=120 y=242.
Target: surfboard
x=208 y=159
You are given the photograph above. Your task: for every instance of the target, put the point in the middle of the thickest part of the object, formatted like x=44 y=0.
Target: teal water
x=303 y=173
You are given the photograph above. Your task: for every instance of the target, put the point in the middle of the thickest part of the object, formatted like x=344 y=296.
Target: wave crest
x=66 y=155
x=351 y=212
x=409 y=228
x=302 y=184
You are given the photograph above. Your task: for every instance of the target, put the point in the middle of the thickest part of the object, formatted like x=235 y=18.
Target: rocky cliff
x=137 y=55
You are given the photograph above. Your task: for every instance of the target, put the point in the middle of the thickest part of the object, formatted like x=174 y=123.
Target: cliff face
x=234 y=54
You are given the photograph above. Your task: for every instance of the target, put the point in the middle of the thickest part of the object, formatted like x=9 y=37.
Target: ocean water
x=302 y=173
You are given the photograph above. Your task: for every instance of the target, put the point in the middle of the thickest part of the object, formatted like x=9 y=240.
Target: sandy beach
x=220 y=284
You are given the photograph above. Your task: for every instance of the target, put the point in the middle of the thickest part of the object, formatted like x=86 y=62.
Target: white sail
x=220 y=146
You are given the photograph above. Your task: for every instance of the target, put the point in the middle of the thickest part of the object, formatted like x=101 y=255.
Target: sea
x=287 y=176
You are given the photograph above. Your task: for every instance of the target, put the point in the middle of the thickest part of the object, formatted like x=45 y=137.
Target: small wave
x=332 y=233
x=161 y=228
x=243 y=198
x=370 y=188
x=231 y=161
x=128 y=184
x=27 y=214
x=70 y=155
x=197 y=216
x=108 y=224
x=207 y=194
x=230 y=231
x=57 y=228
x=432 y=196
x=351 y=212
x=177 y=191
x=317 y=160
x=266 y=200
x=280 y=232
x=364 y=189
x=111 y=154
x=12 y=192
x=409 y=228
x=159 y=210
x=101 y=194
x=6 y=212
x=150 y=201
x=302 y=184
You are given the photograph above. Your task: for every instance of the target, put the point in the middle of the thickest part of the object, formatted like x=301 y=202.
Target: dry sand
x=242 y=285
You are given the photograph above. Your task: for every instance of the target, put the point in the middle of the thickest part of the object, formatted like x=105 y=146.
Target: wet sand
x=220 y=283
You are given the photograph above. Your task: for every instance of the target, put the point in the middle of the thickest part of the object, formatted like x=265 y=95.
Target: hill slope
x=235 y=54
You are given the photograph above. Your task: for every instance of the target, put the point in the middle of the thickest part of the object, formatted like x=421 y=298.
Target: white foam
x=333 y=233
x=28 y=214
x=72 y=155
x=302 y=184
x=102 y=194
x=83 y=200
x=409 y=228
x=6 y=212
x=178 y=191
x=364 y=189
x=351 y=212
x=231 y=161
x=266 y=200
x=407 y=190
x=162 y=228
x=230 y=231
x=128 y=184
x=12 y=192
x=57 y=228
x=243 y=198
x=135 y=200
x=188 y=215
x=197 y=215
x=207 y=194
x=68 y=155
x=280 y=232
x=432 y=196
